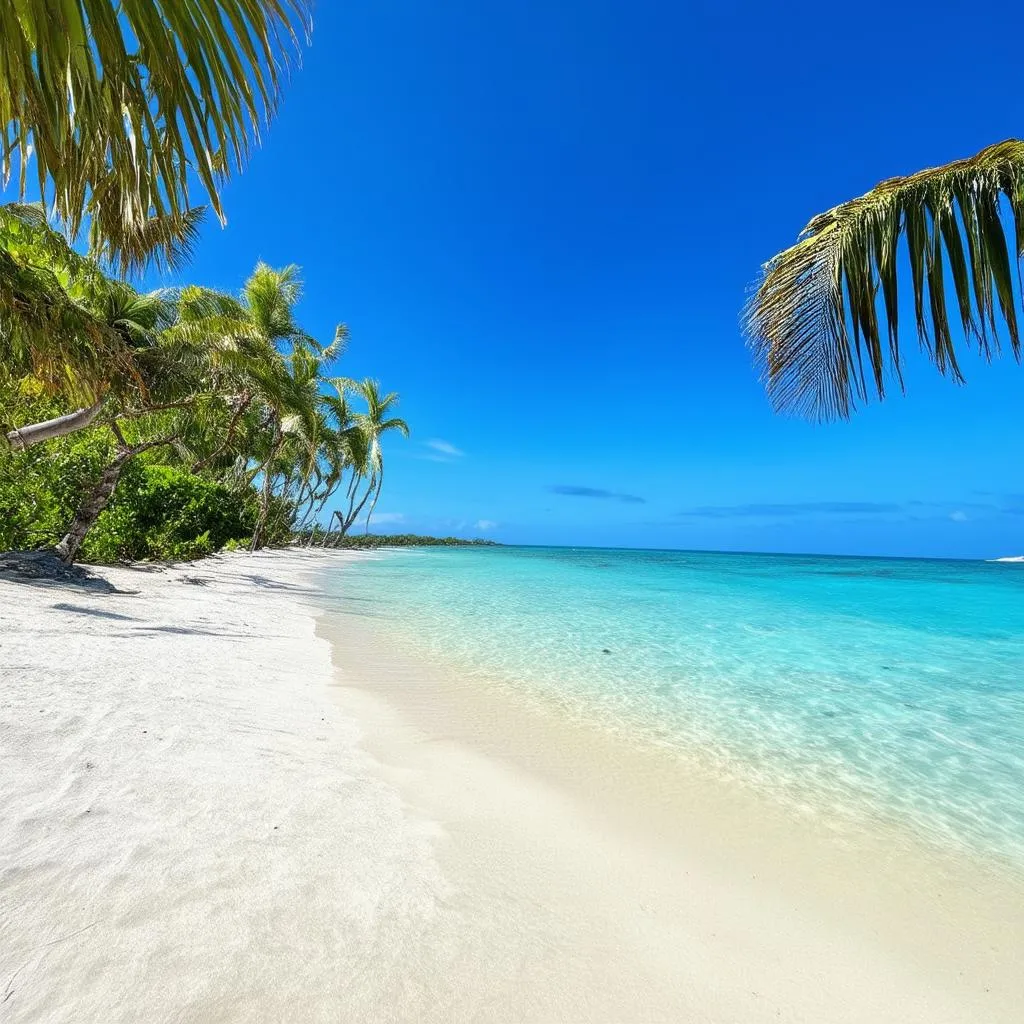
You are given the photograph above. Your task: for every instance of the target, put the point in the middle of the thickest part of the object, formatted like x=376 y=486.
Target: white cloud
x=958 y=516
x=388 y=517
x=445 y=448
x=486 y=524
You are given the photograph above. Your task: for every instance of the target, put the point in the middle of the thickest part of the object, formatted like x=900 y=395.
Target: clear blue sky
x=540 y=221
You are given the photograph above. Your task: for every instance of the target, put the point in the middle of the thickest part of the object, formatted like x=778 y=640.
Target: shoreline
x=225 y=800
x=929 y=934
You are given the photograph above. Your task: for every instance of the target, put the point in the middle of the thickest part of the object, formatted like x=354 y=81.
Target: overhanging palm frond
x=338 y=345
x=165 y=242
x=120 y=102
x=815 y=324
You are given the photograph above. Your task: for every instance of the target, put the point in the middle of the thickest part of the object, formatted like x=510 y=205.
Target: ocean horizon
x=866 y=692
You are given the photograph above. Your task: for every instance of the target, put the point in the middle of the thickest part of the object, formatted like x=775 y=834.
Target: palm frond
x=123 y=105
x=394 y=424
x=270 y=296
x=338 y=345
x=165 y=242
x=821 y=335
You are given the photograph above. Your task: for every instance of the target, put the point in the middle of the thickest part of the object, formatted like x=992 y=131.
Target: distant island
x=397 y=540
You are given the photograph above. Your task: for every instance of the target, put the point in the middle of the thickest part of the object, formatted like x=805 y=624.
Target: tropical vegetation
x=162 y=424
x=117 y=111
x=824 y=320
x=392 y=540
x=167 y=424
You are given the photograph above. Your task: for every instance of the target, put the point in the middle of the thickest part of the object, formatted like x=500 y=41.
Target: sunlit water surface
x=858 y=689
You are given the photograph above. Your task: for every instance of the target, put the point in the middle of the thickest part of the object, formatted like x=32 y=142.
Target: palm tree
x=290 y=391
x=269 y=374
x=823 y=340
x=171 y=376
x=121 y=104
x=46 y=329
x=58 y=323
x=213 y=384
x=375 y=423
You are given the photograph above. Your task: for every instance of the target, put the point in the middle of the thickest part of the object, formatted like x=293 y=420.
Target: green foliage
x=222 y=429
x=823 y=322
x=166 y=513
x=401 y=540
x=42 y=487
x=158 y=511
x=126 y=107
x=45 y=328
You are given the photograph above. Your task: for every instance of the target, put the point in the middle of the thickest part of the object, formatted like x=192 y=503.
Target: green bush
x=164 y=512
x=41 y=488
x=159 y=511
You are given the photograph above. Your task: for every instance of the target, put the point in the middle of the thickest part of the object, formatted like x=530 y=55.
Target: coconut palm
x=269 y=374
x=287 y=390
x=114 y=107
x=205 y=361
x=823 y=339
x=45 y=328
x=375 y=423
x=59 y=322
x=172 y=378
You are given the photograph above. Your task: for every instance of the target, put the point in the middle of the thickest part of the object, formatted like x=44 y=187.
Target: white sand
x=196 y=825
x=189 y=831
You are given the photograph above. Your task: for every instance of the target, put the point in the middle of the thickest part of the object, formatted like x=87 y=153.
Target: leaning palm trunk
x=266 y=492
x=244 y=401
x=90 y=509
x=354 y=510
x=376 y=498
x=35 y=433
x=330 y=536
x=99 y=497
x=264 y=514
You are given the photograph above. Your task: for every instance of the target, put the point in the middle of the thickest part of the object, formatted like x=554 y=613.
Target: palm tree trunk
x=330 y=527
x=24 y=437
x=99 y=497
x=90 y=509
x=376 y=498
x=265 y=493
x=355 y=510
x=261 y=519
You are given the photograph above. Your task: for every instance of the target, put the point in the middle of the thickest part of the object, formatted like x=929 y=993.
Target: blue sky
x=540 y=222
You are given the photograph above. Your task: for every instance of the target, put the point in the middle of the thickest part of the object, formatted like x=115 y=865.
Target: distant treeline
x=389 y=540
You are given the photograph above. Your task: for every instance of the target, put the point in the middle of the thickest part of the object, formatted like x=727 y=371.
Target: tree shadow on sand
x=45 y=569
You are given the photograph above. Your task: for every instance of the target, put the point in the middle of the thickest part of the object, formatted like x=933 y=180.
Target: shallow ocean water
x=858 y=689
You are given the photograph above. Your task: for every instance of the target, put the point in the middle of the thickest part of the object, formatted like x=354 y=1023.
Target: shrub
x=165 y=512
x=41 y=488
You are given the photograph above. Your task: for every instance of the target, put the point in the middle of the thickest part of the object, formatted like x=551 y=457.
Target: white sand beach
x=219 y=804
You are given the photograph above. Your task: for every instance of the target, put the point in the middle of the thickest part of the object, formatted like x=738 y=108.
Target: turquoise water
x=860 y=689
